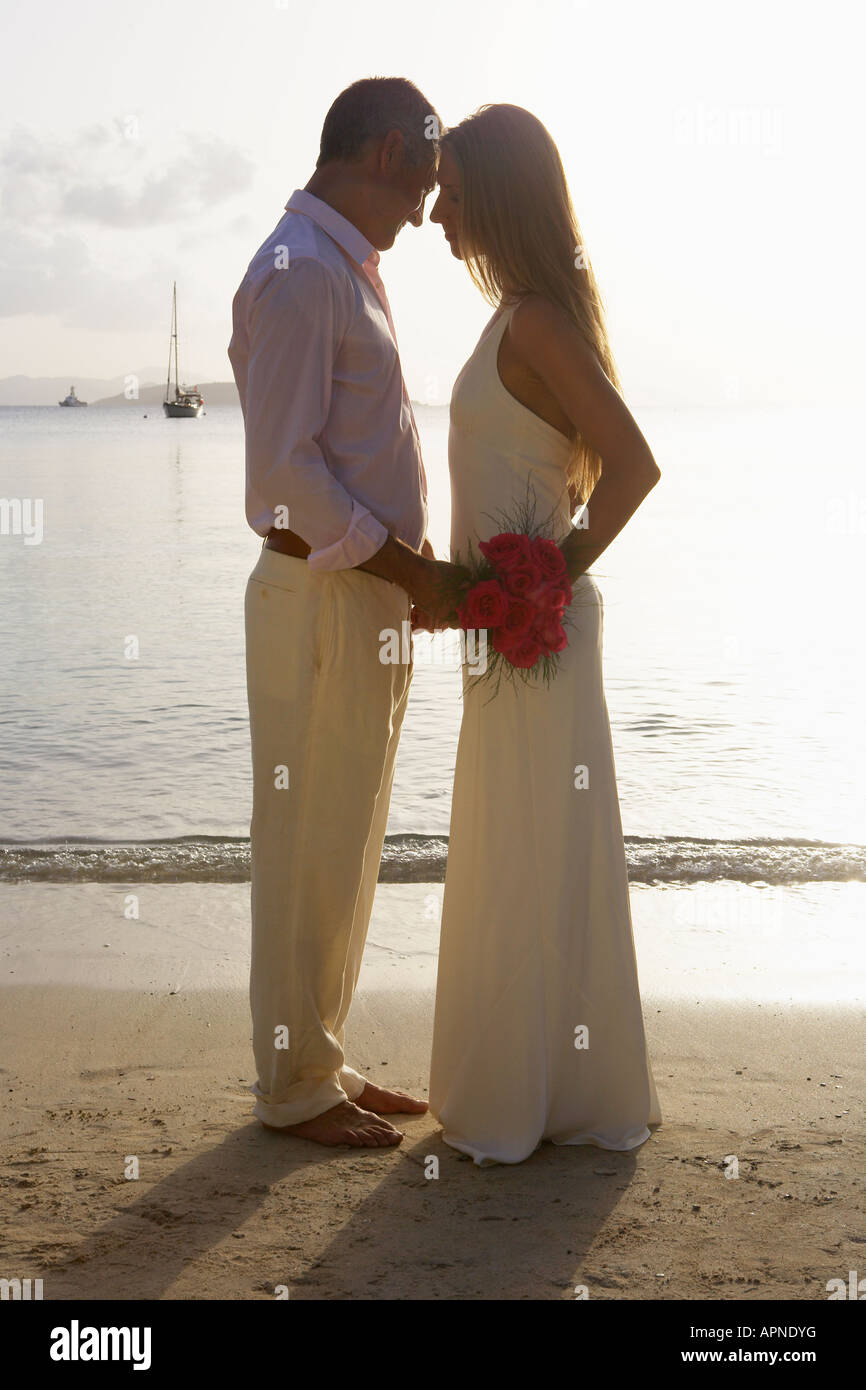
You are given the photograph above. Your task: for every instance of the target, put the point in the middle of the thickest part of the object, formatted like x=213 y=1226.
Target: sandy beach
x=129 y=1039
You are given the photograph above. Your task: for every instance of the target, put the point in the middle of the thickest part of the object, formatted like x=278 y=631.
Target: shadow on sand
x=377 y=1226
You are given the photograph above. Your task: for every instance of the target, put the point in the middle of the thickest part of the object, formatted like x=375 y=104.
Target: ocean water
x=733 y=652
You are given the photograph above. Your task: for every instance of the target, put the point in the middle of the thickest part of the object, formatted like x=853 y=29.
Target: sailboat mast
x=176 y=381
x=171 y=335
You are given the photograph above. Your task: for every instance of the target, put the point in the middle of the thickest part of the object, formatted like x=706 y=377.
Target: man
x=335 y=483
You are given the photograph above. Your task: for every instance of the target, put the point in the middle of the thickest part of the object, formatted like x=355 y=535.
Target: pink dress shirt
x=330 y=433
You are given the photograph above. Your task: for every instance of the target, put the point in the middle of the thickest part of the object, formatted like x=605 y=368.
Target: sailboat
x=187 y=402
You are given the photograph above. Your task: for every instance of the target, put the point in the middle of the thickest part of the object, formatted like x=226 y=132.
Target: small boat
x=187 y=402
x=72 y=399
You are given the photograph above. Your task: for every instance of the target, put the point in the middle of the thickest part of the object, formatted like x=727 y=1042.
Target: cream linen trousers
x=325 y=718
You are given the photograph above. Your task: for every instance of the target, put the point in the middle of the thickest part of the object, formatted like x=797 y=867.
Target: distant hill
x=214 y=392
x=48 y=390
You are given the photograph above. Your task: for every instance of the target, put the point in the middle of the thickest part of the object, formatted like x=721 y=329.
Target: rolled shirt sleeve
x=296 y=325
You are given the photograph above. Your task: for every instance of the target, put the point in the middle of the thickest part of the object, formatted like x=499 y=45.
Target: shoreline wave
x=422 y=858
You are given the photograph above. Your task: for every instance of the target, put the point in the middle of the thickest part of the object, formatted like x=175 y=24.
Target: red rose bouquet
x=517 y=596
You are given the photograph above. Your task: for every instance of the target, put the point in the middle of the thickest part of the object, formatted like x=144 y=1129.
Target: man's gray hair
x=369 y=109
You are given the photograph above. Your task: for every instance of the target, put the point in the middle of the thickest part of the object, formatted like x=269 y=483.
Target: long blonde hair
x=519 y=235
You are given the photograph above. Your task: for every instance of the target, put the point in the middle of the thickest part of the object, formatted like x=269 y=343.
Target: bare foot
x=383 y=1102
x=346 y=1124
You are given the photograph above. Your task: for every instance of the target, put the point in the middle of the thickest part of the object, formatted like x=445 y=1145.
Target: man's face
x=402 y=198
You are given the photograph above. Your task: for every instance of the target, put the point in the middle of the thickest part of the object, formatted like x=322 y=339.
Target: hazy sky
x=714 y=153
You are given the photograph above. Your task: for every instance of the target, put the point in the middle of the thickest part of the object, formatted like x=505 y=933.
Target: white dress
x=538 y=1031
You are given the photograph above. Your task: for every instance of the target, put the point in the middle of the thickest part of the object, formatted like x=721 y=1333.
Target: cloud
x=107 y=178
x=59 y=274
x=91 y=226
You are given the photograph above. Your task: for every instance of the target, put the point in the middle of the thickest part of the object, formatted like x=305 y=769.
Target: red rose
x=551 y=634
x=486 y=605
x=549 y=558
x=522 y=578
x=519 y=618
x=554 y=597
x=522 y=652
x=507 y=549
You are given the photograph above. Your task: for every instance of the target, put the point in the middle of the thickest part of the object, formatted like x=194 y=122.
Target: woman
x=538 y=1029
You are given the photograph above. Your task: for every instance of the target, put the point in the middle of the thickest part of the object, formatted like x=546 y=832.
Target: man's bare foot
x=346 y=1124
x=383 y=1102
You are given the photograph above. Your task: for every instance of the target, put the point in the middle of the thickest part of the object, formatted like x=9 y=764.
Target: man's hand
x=435 y=586
x=438 y=592
x=421 y=621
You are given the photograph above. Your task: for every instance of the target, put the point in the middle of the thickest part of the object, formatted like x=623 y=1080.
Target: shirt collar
x=337 y=227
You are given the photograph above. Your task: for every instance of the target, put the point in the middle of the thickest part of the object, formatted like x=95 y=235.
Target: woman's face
x=446 y=209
